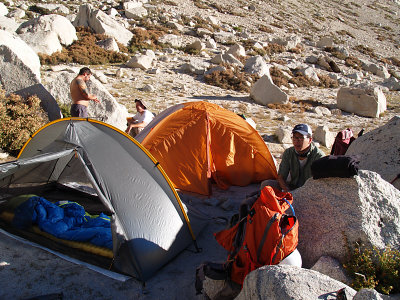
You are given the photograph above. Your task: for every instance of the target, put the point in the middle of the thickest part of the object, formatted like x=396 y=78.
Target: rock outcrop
x=336 y=212
x=19 y=64
x=379 y=150
x=264 y=92
x=363 y=102
x=289 y=282
x=100 y=22
x=60 y=25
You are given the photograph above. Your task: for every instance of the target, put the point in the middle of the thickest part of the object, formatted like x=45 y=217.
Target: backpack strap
x=278 y=248
x=264 y=237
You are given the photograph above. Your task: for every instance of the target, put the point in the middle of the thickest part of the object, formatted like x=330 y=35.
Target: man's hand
x=94 y=98
x=282 y=183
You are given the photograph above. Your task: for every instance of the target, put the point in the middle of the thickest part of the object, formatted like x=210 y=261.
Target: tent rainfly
x=197 y=141
x=149 y=223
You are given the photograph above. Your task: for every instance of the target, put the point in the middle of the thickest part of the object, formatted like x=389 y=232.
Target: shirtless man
x=80 y=94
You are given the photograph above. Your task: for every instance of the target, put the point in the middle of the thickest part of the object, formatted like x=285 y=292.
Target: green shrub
x=65 y=109
x=373 y=268
x=19 y=119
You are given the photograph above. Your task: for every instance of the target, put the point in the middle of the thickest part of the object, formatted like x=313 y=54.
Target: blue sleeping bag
x=65 y=220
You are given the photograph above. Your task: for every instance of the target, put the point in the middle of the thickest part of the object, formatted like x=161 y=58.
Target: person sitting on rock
x=140 y=120
x=295 y=167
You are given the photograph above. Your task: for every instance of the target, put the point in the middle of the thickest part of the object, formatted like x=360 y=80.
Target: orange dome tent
x=197 y=141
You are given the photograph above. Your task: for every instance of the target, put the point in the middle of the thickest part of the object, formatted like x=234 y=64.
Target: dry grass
x=171 y=3
x=300 y=80
x=200 y=23
x=283 y=108
x=295 y=106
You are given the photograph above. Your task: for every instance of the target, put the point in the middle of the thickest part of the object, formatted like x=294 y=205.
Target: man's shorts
x=79 y=110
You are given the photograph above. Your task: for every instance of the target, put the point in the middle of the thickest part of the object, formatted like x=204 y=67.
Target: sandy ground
x=33 y=272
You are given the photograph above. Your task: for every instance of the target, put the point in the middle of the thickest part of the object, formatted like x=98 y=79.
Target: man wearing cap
x=140 y=120
x=295 y=167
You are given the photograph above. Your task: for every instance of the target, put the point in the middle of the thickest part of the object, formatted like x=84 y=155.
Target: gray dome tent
x=149 y=223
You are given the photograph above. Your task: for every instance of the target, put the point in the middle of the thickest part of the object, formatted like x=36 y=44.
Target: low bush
x=335 y=52
x=231 y=79
x=298 y=49
x=274 y=48
x=353 y=62
x=265 y=28
x=65 y=109
x=142 y=39
x=327 y=82
x=301 y=80
x=19 y=119
x=278 y=77
x=365 y=50
x=374 y=269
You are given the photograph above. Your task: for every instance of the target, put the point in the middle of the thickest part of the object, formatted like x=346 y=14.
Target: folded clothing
x=335 y=166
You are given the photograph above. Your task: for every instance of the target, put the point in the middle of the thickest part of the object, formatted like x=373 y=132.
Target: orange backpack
x=264 y=234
